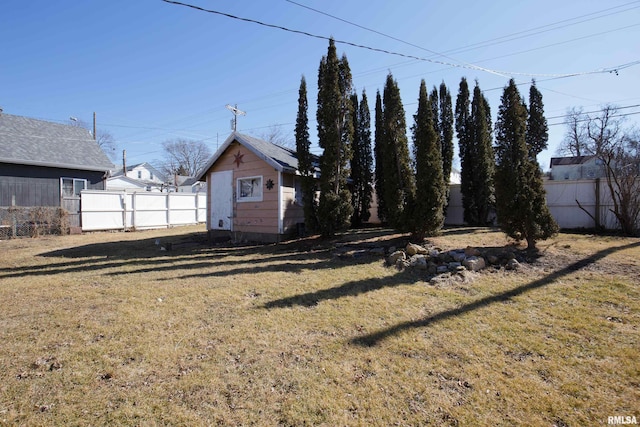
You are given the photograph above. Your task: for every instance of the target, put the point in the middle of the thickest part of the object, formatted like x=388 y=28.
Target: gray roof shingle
x=29 y=141
x=281 y=158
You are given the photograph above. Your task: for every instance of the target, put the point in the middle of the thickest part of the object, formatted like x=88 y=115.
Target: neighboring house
x=189 y=184
x=576 y=168
x=253 y=190
x=48 y=164
x=140 y=177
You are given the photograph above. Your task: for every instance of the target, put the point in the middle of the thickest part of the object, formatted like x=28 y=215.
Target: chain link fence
x=32 y=221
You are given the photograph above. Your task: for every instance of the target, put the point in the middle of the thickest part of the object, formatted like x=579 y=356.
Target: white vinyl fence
x=562 y=200
x=119 y=210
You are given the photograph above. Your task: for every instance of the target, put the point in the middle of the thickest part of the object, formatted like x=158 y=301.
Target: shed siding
x=293 y=213
x=251 y=217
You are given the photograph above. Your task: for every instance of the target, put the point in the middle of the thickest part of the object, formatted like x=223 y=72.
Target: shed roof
x=35 y=142
x=281 y=158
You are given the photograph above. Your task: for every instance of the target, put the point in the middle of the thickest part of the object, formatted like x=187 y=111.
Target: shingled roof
x=281 y=158
x=27 y=141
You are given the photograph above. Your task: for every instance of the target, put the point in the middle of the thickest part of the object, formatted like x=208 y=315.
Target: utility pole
x=236 y=113
x=124 y=162
x=94 y=125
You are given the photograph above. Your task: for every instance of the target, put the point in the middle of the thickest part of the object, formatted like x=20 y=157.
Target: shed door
x=221 y=200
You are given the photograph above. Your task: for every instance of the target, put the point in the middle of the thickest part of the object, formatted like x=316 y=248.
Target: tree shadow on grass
x=374 y=338
x=353 y=288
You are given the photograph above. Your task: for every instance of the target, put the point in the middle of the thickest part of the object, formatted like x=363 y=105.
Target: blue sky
x=154 y=71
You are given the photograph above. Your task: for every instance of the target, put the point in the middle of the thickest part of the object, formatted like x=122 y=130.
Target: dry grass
x=107 y=329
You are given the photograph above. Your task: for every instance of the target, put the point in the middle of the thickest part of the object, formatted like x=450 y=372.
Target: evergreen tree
x=537 y=129
x=305 y=159
x=443 y=123
x=473 y=125
x=446 y=132
x=427 y=211
x=520 y=196
x=362 y=161
x=378 y=151
x=484 y=162
x=465 y=147
x=335 y=135
x=399 y=184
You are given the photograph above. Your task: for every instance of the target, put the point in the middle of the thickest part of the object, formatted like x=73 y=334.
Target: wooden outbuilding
x=253 y=191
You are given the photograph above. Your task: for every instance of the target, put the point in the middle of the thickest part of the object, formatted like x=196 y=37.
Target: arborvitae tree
x=399 y=183
x=378 y=151
x=305 y=159
x=476 y=157
x=520 y=196
x=443 y=124
x=446 y=132
x=427 y=211
x=484 y=162
x=465 y=146
x=537 y=129
x=361 y=162
x=335 y=135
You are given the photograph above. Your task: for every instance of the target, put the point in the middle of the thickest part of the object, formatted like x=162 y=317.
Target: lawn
x=110 y=329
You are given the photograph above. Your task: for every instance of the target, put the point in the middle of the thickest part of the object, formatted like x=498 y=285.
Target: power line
x=587 y=119
x=509 y=37
x=475 y=66
x=374 y=49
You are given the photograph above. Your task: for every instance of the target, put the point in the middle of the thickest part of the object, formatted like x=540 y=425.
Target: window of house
x=250 y=189
x=151 y=176
x=72 y=186
x=139 y=174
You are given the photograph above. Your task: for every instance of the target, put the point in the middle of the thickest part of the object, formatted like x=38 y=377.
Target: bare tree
x=574 y=139
x=103 y=137
x=276 y=135
x=603 y=135
x=183 y=156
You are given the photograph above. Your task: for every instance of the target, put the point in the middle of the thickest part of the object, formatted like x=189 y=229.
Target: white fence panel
x=455 y=213
x=562 y=200
x=201 y=203
x=183 y=208
x=118 y=210
x=102 y=210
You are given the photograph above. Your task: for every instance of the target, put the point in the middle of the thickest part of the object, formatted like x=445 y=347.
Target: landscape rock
x=474 y=263
x=395 y=256
x=418 y=261
x=470 y=251
x=512 y=264
x=453 y=266
x=413 y=249
x=442 y=269
x=458 y=256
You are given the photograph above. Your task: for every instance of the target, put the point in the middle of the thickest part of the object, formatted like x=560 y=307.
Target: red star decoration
x=238 y=158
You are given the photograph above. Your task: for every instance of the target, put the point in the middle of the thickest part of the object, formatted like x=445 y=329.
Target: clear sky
x=154 y=71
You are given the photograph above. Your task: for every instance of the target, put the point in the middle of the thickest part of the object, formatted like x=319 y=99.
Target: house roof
x=282 y=159
x=121 y=178
x=575 y=160
x=34 y=142
x=143 y=165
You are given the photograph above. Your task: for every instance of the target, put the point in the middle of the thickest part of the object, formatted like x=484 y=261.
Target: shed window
x=73 y=186
x=250 y=189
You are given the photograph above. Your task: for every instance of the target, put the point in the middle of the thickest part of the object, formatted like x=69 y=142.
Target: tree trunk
x=531 y=244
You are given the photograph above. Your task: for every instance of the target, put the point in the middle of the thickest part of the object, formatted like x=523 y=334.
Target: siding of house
x=259 y=217
x=293 y=213
x=28 y=186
